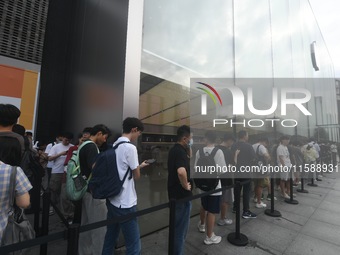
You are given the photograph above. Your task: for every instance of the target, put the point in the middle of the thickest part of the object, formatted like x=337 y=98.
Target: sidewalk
x=311 y=227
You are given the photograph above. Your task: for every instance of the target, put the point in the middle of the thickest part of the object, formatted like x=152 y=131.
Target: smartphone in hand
x=150 y=161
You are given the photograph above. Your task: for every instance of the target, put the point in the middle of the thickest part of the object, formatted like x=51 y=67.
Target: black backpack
x=105 y=181
x=30 y=163
x=205 y=161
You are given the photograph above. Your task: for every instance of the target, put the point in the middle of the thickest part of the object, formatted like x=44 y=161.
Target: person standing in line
x=261 y=181
x=11 y=150
x=283 y=160
x=47 y=178
x=89 y=210
x=226 y=180
x=179 y=184
x=9 y=115
x=210 y=205
x=126 y=201
x=10 y=155
x=57 y=154
x=244 y=154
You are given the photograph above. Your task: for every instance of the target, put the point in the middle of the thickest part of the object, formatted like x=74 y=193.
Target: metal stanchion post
x=312 y=184
x=291 y=200
x=45 y=219
x=302 y=190
x=72 y=239
x=272 y=212
x=172 y=219
x=237 y=238
x=36 y=208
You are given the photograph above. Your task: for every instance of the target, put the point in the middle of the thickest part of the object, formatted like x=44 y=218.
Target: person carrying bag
x=18 y=227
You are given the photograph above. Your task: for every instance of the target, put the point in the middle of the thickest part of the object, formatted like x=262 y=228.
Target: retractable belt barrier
x=71 y=234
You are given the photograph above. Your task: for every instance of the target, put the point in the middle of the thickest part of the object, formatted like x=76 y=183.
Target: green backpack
x=76 y=185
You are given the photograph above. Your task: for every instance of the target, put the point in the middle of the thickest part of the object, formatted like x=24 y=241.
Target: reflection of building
x=104 y=60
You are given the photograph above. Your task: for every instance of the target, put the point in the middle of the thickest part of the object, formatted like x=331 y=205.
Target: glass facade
x=263 y=45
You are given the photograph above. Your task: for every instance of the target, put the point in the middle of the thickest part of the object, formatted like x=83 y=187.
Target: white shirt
x=47 y=151
x=219 y=160
x=127 y=156
x=283 y=152
x=58 y=163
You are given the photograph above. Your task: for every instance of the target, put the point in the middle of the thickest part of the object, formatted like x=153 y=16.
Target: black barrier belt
x=150 y=210
x=33 y=242
x=62 y=235
x=183 y=200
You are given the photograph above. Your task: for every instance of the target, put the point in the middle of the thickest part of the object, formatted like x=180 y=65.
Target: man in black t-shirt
x=179 y=184
x=92 y=210
x=245 y=157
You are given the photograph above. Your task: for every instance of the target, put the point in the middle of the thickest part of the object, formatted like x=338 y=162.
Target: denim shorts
x=211 y=204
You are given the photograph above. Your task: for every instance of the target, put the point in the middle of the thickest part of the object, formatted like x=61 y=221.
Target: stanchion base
x=242 y=241
x=273 y=213
x=302 y=191
x=292 y=202
x=312 y=184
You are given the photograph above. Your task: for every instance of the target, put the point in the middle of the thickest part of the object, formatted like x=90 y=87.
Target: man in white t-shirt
x=57 y=154
x=283 y=160
x=49 y=165
x=126 y=201
x=210 y=205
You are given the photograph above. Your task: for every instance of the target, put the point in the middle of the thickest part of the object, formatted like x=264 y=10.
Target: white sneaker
x=201 y=228
x=222 y=222
x=285 y=195
x=261 y=205
x=213 y=239
x=269 y=198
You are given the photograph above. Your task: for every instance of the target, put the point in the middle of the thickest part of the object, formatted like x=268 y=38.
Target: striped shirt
x=22 y=186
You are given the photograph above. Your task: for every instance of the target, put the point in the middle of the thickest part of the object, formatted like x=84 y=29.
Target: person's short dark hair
x=228 y=137
x=29 y=133
x=241 y=134
x=68 y=135
x=19 y=129
x=130 y=123
x=210 y=136
x=9 y=115
x=296 y=143
x=183 y=131
x=87 y=130
x=100 y=128
x=264 y=139
x=284 y=137
x=10 y=150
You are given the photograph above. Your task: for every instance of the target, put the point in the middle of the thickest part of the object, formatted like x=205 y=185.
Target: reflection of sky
x=199 y=41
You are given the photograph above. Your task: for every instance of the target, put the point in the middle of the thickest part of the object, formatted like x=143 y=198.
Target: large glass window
x=262 y=45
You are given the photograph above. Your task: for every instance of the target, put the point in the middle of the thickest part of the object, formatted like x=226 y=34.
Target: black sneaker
x=248 y=215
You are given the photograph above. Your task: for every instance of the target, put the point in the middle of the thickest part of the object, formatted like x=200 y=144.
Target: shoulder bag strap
x=212 y=154
x=12 y=186
x=257 y=150
x=129 y=169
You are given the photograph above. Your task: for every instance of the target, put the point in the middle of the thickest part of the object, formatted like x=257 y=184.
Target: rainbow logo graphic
x=209 y=90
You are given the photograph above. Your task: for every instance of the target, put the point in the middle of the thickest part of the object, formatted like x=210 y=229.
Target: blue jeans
x=129 y=228
x=182 y=224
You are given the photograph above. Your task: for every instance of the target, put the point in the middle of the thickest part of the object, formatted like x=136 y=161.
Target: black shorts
x=211 y=203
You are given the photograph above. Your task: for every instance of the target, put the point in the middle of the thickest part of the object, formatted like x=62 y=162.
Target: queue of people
x=229 y=152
